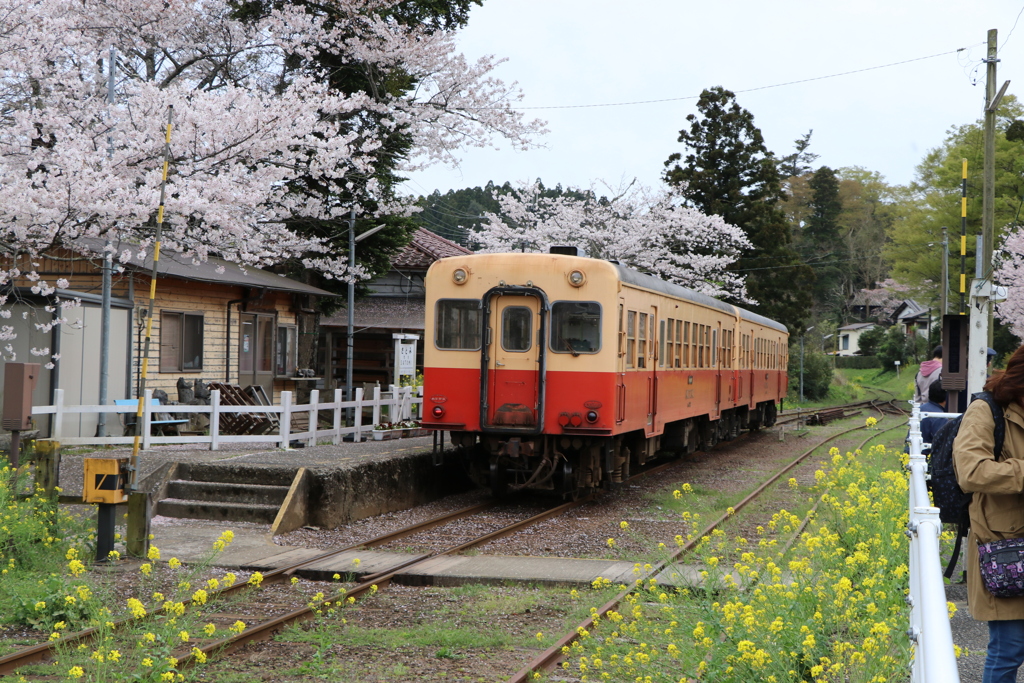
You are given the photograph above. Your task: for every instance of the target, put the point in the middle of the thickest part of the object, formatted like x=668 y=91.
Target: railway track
x=287 y=611
x=288 y=614
x=553 y=656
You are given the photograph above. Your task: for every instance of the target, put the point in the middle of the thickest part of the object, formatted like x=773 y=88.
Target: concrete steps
x=222 y=495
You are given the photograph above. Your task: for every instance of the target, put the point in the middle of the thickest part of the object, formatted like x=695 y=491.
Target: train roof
x=635 y=277
x=638 y=279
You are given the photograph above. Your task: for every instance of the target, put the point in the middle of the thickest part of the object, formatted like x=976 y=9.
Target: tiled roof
x=425 y=248
x=173 y=264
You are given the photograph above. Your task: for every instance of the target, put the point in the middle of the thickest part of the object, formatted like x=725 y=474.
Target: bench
x=159 y=424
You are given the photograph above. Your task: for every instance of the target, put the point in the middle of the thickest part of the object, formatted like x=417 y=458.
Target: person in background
x=929 y=373
x=997 y=510
x=989 y=357
x=936 y=404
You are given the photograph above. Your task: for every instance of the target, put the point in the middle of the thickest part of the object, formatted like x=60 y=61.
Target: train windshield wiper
x=572 y=350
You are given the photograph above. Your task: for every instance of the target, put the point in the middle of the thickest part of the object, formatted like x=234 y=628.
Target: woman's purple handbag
x=1002 y=567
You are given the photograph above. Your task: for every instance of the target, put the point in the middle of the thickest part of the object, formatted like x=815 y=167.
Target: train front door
x=513 y=365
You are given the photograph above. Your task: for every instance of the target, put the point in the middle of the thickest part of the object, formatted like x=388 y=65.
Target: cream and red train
x=560 y=372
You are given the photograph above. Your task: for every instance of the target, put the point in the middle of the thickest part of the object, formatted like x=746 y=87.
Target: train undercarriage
x=573 y=465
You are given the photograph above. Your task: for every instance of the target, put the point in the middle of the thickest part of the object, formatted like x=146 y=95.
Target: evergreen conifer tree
x=728 y=171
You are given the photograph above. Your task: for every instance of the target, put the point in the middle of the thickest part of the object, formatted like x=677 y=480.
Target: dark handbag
x=1002 y=567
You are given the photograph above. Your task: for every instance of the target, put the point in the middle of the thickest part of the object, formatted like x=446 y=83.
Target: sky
x=566 y=53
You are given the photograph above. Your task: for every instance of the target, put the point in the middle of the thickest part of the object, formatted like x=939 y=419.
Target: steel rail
x=43 y=651
x=550 y=658
x=373 y=582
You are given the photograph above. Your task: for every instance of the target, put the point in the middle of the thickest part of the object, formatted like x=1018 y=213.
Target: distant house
x=395 y=305
x=912 y=317
x=849 y=338
x=212 y=321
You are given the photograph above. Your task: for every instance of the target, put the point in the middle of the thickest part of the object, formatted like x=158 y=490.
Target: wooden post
x=376 y=405
x=48 y=465
x=314 y=416
x=357 y=435
x=215 y=419
x=58 y=415
x=337 y=417
x=139 y=517
x=147 y=419
x=286 y=419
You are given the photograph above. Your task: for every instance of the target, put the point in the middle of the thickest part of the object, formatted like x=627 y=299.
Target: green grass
x=902 y=386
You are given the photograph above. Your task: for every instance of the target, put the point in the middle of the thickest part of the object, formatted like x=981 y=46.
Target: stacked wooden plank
x=241 y=423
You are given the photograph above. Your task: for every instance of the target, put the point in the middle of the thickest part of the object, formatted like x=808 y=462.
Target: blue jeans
x=1005 y=651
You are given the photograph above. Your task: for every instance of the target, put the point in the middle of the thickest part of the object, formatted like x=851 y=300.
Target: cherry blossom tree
x=1010 y=273
x=647 y=230
x=247 y=123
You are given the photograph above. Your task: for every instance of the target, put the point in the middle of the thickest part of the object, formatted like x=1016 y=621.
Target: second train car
x=562 y=373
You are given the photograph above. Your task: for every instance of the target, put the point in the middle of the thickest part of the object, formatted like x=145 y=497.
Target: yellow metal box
x=105 y=480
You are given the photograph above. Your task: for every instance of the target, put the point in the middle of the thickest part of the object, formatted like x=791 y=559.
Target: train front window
x=458 y=325
x=576 y=327
x=516 y=326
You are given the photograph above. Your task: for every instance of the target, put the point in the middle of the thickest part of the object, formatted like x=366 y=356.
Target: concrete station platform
x=340 y=483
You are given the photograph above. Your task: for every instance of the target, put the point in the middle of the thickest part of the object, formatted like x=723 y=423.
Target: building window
x=181 y=342
x=458 y=324
x=287 y=350
x=846 y=342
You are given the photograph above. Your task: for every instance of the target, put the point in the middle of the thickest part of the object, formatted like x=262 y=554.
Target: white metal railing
x=399 y=406
x=934 y=660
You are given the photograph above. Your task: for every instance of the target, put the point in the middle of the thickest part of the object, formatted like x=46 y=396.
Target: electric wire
x=745 y=90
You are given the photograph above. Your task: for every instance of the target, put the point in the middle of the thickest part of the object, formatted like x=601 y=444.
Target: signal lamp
x=438 y=412
x=460 y=276
x=577 y=278
x=592 y=416
x=563 y=419
x=575 y=420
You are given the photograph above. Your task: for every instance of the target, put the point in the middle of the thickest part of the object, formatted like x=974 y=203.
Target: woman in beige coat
x=997 y=510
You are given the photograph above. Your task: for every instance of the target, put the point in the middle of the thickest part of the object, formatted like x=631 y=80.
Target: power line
x=763 y=87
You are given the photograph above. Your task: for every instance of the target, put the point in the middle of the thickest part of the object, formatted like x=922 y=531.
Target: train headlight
x=460 y=276
x=577 y=278
x=438 y=412
x=592 y=416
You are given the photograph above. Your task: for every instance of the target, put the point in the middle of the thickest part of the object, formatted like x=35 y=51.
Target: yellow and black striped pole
x=963 y=239
x=152 y=300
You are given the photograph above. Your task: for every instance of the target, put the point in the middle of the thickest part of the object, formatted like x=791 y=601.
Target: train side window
x=707 y=344
x=576 y=327
x=702 y=350
x=679 y=344
x=630 y=339
x=641 y=351
x=662 y=342
x=458 y=325
x=516 y=328
x=714 y=348
x=686 y=344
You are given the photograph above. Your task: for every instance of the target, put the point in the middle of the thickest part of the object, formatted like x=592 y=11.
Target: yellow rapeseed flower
x=174 y=563
x=153 y=553
x=237 y=627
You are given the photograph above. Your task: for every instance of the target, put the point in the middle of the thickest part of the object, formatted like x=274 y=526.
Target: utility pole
x=945 y=271
x=101 y=419
x=989 y=187
x=350 y=352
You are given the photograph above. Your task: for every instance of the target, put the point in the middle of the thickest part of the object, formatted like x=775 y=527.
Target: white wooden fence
x=398 y=406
